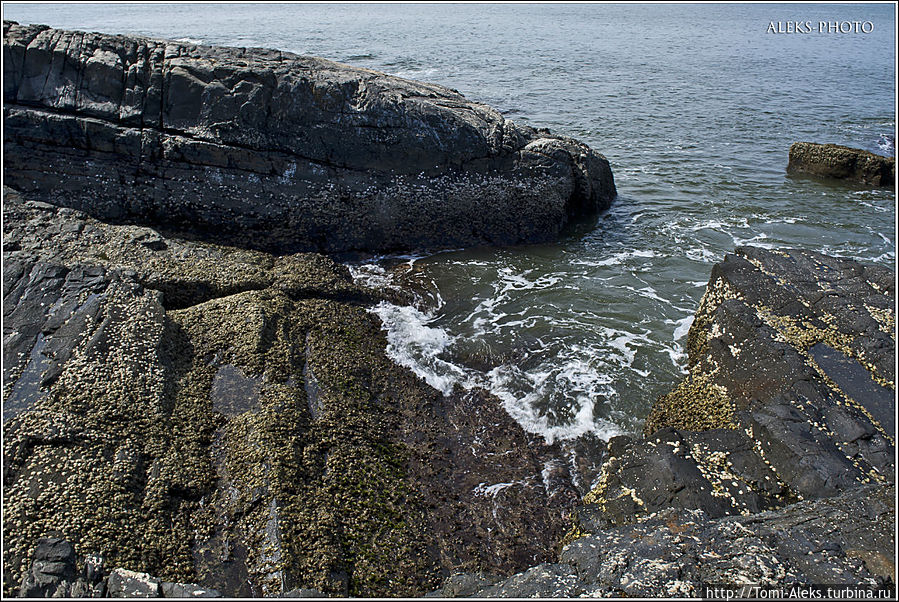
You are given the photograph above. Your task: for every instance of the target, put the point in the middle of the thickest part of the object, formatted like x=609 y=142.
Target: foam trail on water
x=412 y=343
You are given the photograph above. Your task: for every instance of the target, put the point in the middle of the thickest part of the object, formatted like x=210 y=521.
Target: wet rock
x=267 y=149
x=463 y=585
x=302 y=592
x=795 y=349
x=541 y=581
x=841 y=162
x=123 y=583
x=717 y=471
x=675 y=552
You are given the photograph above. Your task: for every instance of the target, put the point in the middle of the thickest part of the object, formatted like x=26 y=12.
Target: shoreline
x=216 y=413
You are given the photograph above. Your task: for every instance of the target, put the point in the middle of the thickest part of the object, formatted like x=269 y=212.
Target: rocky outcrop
x=677 y=553
x=842 y=162
x=227 y=418
x=771 y=463
x=54 y=573
x=266 y=149
x=790 y=393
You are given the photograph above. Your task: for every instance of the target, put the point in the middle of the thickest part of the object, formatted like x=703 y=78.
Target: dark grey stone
x=303 y=592
x=463 y=585
x=272 y=150
x=53 y=570
x=123 y=583
x=541 y=581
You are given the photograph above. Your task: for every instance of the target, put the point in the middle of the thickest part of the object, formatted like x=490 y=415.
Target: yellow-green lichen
x=696 y=404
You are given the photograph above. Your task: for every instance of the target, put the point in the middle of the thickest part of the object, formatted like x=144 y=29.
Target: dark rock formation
x=54 y=573
x=676 y=552
x=790 y=394
x=271 y=150
x=842 y=162
x=771 y=463
x=227 y=418
x=123 y=583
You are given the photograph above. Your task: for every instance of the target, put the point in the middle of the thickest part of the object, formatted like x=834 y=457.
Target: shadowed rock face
x=313 y=154
x=842 y=162
x=229 y=419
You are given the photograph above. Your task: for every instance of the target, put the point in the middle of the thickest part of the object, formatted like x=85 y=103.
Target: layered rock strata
x=843 y=163
x=266 y=149
x=228 y=418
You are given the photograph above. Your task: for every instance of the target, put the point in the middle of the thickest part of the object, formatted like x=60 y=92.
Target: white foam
x=417 y=74
x=701 y=254
x=621 y=344
x=371 y=275
x=755 y=241
x=560 y=375
x=683 y=327
x=412 y=343
x=483 y=489
x=617 y=258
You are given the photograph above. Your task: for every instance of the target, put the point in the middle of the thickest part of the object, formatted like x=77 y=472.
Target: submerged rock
x=157 y=411
x=842 y=162
x=271 y=150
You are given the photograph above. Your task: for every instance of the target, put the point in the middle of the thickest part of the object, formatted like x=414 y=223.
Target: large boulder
x=842 y=162
x=277 y=151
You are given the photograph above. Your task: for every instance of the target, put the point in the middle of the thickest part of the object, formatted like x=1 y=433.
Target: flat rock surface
x=267 y=149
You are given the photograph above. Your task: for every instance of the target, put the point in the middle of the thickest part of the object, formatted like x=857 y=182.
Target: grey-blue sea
x=695 y=106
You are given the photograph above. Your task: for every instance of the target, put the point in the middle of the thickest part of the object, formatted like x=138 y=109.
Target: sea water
x=694 y=106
